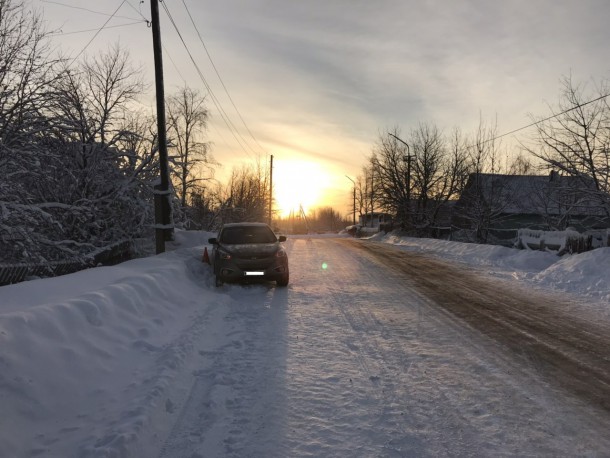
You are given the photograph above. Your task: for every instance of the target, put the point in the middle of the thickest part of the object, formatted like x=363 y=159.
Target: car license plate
x=255 y=273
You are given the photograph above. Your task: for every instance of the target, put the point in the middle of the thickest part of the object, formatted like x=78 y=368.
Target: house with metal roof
x=547 y=202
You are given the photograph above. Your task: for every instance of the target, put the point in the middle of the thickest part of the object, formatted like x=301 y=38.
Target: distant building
x=374 y=220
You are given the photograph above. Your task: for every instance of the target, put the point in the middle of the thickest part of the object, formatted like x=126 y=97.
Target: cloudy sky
x=314 y=82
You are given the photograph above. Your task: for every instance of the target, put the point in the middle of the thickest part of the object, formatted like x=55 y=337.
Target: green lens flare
x=324 y=266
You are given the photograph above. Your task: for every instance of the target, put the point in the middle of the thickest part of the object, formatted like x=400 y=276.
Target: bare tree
x=137 y=146
x=486 y=195
x=246 y=195
x=187 y=118
x=327 y=219
x=390 y=164
x=92 y=100
x=418 y=186
x=575 y=141
x=26 y=69
x=521 y=165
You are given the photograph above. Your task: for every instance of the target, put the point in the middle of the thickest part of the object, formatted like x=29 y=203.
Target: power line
x=97 y=33
x=545 y=119
x=173 y=63
x=219 y=77
x=114 y=15
x=139 y=11
x=92 y=30
x=86 y=9
x=234 y=131
x=225 y=117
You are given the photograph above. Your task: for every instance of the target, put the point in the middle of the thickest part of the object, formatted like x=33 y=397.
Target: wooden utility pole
x=354 y=210
x=163 y=227
x=372 y=195
x=270 y=189
x=354 y=213
x=408 y=158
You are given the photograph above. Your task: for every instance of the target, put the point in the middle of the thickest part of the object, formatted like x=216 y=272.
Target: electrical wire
x=225 y=117
x=168 y=54
x=86 y=9
x=544 y=120
x=97 y=33
x=114 y=15
x=138 y=10
x=219 y=77
x=234 y=131
x=92 y=30
x=173 y=63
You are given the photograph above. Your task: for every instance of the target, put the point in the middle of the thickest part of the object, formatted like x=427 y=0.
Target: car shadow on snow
x=245 y=380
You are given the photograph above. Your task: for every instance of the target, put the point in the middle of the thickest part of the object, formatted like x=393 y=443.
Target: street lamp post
x=354 y=212
x=374 y=162
x=407 y=158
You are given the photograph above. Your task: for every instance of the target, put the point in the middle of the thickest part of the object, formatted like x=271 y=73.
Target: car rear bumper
x=232 y=274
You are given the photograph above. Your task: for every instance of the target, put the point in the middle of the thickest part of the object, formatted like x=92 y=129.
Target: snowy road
x=381 y=353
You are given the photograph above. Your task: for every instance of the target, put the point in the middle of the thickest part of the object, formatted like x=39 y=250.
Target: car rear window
x=247 y=234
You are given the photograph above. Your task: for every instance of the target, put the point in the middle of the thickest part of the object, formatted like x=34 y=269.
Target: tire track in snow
x=570 y=353
x=382 y=355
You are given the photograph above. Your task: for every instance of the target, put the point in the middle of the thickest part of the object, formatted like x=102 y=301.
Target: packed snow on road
x=149 y=359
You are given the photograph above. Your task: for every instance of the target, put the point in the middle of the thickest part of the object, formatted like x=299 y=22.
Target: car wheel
x=218 y=281
x=283 y=281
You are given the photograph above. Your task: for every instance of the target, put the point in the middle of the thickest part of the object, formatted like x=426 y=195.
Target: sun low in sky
x=298 y=183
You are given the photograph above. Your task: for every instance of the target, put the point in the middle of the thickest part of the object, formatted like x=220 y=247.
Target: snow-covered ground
x=90 y=363
x=585 y=275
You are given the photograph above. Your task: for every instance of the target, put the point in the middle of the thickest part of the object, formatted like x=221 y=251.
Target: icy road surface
x=381 y=353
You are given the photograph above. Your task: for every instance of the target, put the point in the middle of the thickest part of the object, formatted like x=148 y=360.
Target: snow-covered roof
x=534 y=194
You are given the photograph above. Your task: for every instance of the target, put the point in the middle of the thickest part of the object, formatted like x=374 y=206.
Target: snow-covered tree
x=76 y=174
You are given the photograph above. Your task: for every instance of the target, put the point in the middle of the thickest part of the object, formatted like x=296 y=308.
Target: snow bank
x=587 y=274
x=473 y=254
x=96 y=348
x=584 y=275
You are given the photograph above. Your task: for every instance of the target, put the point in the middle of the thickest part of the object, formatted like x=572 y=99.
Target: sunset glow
x=296 y=184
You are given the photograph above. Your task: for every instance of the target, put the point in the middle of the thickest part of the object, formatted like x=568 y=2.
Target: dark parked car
x=247 y=252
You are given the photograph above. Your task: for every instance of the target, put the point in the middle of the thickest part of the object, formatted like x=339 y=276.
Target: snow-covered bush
x=75 y=170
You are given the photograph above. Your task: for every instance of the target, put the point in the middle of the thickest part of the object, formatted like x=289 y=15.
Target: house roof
x=534 y=194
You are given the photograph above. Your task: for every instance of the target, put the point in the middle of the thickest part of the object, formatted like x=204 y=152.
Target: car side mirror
x=212 y=241
x=282 y=238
